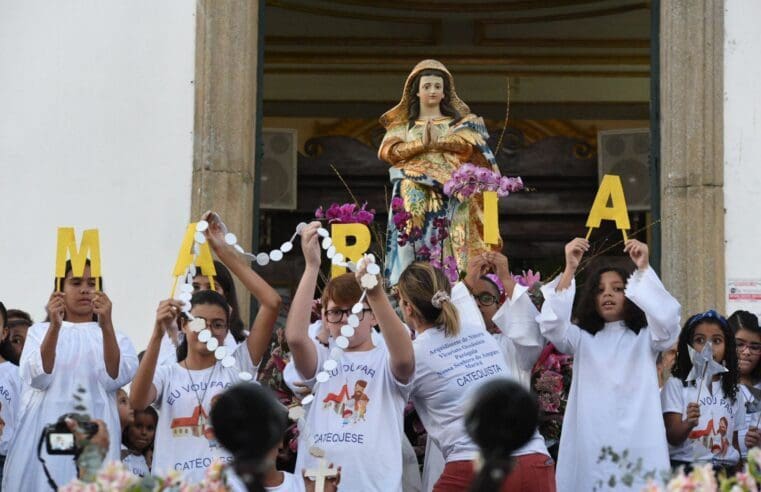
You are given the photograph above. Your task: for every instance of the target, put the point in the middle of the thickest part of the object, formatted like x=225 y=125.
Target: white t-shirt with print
x=10 y=392
x=751 y=416
x=185 y=440
x=357 y=419
x=711 y=440
x=448 y=370
x=136 y=464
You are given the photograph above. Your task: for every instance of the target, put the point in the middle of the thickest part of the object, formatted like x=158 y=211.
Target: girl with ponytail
x=454 y=355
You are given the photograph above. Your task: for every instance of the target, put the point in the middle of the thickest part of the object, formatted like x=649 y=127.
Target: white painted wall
x=96 y=120
x=742 y=144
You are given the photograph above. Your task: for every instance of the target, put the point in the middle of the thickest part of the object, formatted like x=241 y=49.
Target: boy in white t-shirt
x=356 y=417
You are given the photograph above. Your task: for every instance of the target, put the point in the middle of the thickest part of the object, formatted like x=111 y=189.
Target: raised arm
x=573 y=253
x=56 y=310
x=269 y=300
x=555 y=317
x=395 y=334
x=645 y=289
x=111 y=353
x=143 y=392
x=516 y=318
x=296 y=326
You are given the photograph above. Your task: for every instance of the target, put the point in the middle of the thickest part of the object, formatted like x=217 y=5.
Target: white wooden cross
x=322 y=471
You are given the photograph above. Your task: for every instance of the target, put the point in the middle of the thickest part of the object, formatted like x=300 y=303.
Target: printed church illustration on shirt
x=352 y=408
x=197 y=425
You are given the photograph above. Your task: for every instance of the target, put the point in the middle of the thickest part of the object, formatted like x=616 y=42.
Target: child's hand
x=166 y=313
x=215 y=233
x=752 y=438
x=331 y=483
x=101 y=306
x=301 y=390
x=56 y=309
x=574 y=251
x=693 y=414
x=638 y=252
x=310 y=244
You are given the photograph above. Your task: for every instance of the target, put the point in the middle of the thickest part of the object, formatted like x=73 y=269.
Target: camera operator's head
x=249 y=422
x=502 y=418
x=211 y=307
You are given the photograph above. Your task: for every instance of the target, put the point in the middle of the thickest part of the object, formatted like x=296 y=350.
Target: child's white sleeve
x=672 y=400
x=662 y=311
x=127 y=365
x=30 y=365
x=555 y=317
x=516 y=318
x=467 y=308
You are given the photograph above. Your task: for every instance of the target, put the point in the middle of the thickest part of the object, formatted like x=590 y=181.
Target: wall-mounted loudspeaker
x=277 y=188
x=626 y=153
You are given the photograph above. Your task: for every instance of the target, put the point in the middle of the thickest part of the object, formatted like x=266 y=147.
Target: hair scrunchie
x=438 y=298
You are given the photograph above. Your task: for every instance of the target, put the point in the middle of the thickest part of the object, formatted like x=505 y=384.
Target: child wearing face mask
x=620 y=325
x=703 y=417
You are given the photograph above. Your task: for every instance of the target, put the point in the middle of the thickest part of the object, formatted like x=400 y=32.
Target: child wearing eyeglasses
x=748 y=340
x=359 y=393
x=703 y=417
x=620 y=325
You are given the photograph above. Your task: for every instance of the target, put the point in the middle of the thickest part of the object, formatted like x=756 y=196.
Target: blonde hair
x=417 y=285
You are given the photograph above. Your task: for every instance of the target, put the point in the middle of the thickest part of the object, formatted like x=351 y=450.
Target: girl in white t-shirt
x=138 y=440
x=748 y=341
x=184 y=392
x=454 y=355
x=621 y=324
x=704 y=430
x=356 y=417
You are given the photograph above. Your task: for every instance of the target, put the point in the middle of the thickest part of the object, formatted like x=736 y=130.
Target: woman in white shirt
x=454 y=355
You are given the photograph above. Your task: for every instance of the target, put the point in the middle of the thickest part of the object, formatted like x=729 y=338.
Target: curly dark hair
x=414 y=103
x=586 y=313
x=745 y=320
x=683 y=365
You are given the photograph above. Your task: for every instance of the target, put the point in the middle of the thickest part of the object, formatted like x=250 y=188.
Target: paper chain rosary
x=185 y=287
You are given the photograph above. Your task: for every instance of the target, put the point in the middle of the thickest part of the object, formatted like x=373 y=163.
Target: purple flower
x=440 y=222
x=436 y=253
x=402 y=239
x=365 y=216
x=416 y=233
x=424 y=253
x=346 y=214
x=397 y=204
x=400 y=219
x=450 y=269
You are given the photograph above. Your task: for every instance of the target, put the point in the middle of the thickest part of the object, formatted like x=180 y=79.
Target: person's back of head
x=502 y=419
x=249 y=422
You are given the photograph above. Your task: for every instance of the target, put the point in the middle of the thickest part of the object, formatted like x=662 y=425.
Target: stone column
x=225 y=116
x=692 y=152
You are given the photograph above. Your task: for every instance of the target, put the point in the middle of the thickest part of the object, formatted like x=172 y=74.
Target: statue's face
x=431 y=90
